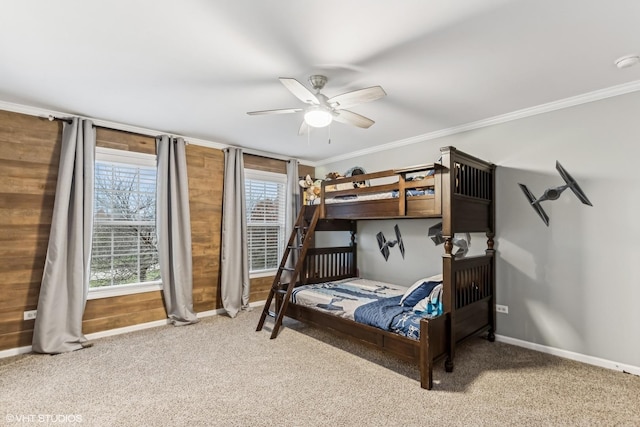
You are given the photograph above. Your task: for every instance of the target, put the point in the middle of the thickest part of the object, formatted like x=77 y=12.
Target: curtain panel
x=234 y=274
x=292 y=208
x=65 y=281
x=174 y=230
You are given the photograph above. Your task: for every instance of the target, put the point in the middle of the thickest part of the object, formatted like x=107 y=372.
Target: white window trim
x=127 y=158
x=266 y=176
x=119 y=290
x=124 y=157
x=262 y=273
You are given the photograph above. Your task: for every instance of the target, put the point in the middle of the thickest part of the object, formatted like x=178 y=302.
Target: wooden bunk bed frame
x=464 y=191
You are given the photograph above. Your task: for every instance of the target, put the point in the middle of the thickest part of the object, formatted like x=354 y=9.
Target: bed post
x=426 y=358
x=448 y=223
x=491 y=335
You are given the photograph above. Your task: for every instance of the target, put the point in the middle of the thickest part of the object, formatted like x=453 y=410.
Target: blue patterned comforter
x=365 y=301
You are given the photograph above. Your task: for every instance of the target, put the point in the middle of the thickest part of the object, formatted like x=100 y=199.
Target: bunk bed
x=460 y=190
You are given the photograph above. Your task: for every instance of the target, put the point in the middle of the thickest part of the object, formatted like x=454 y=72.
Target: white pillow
x=434 y=278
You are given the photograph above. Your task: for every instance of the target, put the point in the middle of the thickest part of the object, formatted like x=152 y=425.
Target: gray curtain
x=234 y=274
x=174 y=230
x=293 y=196
x=292 y=208
x=65 y=281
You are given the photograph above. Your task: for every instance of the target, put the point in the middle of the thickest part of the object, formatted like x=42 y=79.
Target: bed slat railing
x=328 y=264
x=472 y=182
x=472 y=283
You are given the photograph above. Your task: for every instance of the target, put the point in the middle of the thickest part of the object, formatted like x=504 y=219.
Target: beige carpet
x=222 y=372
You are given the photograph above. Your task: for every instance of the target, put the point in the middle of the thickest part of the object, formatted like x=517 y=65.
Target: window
x=265 y=210
x=124 y=253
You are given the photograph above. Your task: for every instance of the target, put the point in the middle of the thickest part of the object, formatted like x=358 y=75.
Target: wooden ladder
x=299 y=241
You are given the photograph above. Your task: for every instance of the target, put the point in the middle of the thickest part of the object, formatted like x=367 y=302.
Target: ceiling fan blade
x=304 y=128
x=298 y=89
x=283 y=111
x=349 y=99
x=351 y=118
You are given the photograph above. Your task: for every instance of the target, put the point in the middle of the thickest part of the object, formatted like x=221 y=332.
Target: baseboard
x=111 y=332
x=15 y=351
x=590 y=360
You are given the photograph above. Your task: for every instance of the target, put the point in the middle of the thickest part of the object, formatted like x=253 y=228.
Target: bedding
x=369 y=302
x=374 y=196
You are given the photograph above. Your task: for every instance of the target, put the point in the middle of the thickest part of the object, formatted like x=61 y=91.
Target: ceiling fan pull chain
x=329 y=133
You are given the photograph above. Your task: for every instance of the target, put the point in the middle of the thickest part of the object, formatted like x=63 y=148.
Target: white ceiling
x=195 y=67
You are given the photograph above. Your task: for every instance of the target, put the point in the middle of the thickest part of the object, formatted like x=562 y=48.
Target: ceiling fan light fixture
x=318 y=117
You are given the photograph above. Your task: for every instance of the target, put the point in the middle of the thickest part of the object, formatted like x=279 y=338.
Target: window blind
x=124 y=240
x=265 y=213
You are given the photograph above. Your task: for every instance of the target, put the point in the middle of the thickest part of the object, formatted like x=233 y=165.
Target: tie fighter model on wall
x=384 y=245
x=435 y=233
x=554 y=193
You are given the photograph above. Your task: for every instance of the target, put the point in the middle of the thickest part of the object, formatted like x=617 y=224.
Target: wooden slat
x=120 y=140
x=122 y=305
x=119 y=321
x=16 y=339
x=264 y=164
x=205 y=168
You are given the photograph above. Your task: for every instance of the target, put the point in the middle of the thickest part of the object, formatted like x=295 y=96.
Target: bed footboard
x=469 y=298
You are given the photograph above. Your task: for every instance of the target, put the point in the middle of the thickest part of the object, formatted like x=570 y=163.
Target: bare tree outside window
x=124 y=241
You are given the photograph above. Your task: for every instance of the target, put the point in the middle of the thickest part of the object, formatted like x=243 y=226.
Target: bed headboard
x=468 y=192
x=329 y=264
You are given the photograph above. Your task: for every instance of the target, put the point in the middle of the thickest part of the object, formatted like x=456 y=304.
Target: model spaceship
x=554 y=193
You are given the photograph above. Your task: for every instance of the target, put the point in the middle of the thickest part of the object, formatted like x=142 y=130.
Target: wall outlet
x=30 y=315
x=502 y=309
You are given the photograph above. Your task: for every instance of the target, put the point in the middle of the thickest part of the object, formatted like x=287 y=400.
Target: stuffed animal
x=311 y=188
x=335 y=175
x=357 y=170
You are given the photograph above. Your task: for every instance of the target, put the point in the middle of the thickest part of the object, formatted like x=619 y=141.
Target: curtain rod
x=51 y=118
x=250 y=151
x=62 y=119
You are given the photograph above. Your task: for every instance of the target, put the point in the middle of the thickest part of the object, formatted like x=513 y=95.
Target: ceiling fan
x=322 y=110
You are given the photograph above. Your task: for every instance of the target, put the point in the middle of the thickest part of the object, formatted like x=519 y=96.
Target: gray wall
x=575 y=285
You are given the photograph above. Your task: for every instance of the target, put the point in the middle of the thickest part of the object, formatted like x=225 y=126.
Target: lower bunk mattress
x=383 y=305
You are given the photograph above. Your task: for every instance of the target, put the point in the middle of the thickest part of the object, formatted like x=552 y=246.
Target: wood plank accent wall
x=206 y=175
x=29 y=158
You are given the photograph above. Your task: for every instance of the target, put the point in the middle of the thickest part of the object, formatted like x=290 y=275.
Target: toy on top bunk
x=354 y=171
x=311 y=189
x=331 y=176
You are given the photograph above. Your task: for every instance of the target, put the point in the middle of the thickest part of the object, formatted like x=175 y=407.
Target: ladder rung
x=281 y=291
x=288 y=269
x=295 y=247
x=272 y=314
x=280 y=286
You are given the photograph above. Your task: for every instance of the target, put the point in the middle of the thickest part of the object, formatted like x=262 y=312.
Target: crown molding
x=45 y=113
x=573 y=101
